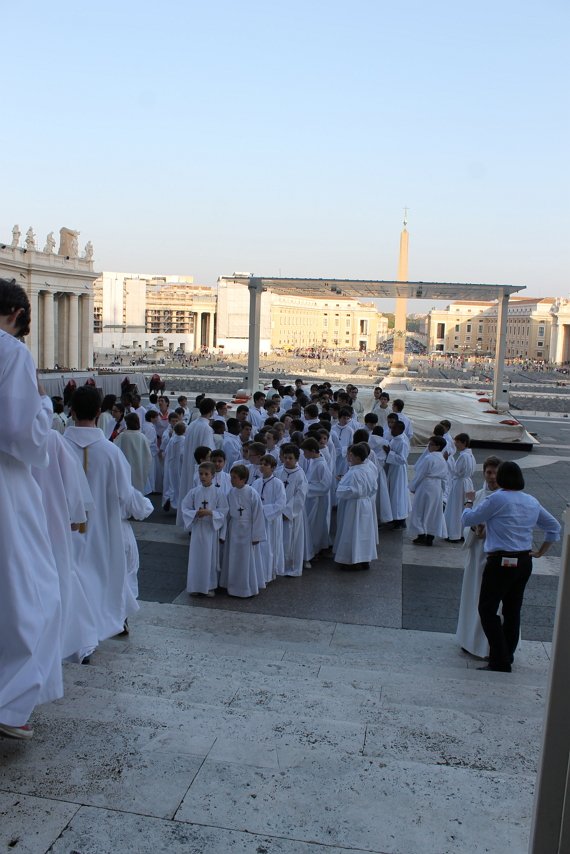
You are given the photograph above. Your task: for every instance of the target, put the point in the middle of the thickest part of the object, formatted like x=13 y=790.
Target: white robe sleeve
x=26 y=417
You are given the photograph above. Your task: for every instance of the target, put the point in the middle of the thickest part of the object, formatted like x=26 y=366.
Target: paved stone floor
x=309 y=720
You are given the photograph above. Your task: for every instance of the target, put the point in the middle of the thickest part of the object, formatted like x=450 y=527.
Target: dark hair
x=509 y=476
x=269 y=458
x=132 y=421
x=310 y=444
x=241 y=471
x=207 y=466
x=85 y=403
x=385 y=395
x=371 y=418
x=218 y=454
x=360 y=435
x=446 y=424
x=257 y=448
x=57 y=403
x=398 y=403
x=360 y=450
x=492 y=463
x=439 y=430
x=201 y=453
x=464 y=439
x=179 y=428
x=345 y=412
x=120 y=406
x=150 y=414
x=438 y=441
x=206 y=406
x=311 y=410
x=258 y=395
x=218 y=426
x=290 y=448
x=165 y=398
x=12 y=298
x=233 y=426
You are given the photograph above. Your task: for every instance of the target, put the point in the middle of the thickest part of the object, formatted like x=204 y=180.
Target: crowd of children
x=294 y=476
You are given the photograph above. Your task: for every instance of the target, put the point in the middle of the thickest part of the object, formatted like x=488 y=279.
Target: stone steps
x=218 y=731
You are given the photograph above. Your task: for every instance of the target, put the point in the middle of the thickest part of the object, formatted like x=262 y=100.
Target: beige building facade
x=470 y=328
x=139 y=311
x=292 y=322
x=60 y=289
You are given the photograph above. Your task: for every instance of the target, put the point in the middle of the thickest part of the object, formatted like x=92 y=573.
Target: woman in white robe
x=470 y=635
x=355 y=540
x=30 y=609
x=66 y=497
x=462 y=467
x=428 y=485
x=206 y=531
x=241 y=567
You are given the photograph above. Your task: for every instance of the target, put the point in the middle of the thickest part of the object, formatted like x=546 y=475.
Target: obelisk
x=398 y=364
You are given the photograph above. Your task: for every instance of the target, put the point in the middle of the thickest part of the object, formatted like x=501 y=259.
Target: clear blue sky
x=202 y=138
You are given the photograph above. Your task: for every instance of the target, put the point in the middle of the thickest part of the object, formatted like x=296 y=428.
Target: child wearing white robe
x=173 y=466
x=221 y=477
x=138 y=507
x=397 y=451
x=204 y=510
x=318 y=502
x=296 y=487
x=272 y=493
x=242 y=574
x=428 y=487
x=383 y=505
x=462 y=468
x=355 y=540
x=134 y=446
x=154 y=480
x=66 y=497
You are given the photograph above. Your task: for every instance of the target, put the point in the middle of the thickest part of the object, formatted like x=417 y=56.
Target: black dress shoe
x=504 y=669
x=420 y=540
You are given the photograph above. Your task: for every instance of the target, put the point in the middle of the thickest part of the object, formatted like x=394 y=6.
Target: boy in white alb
x=204 y=511
x=397 y=451
x=173 y=467
x=242 y=573
x=221 y=477
x=318 y=502
x=272 y=493
x=355 y=541
x=296 y=487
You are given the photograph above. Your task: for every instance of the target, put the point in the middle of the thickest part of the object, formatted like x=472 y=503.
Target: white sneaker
x=307 y=564
x=25 y=731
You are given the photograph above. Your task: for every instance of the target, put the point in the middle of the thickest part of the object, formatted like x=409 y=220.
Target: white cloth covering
x=101 y=549
x=462 y=467
x=154 y=479
x=64 y=489
x=30 y=609
x=242 y=573
x=135 y=447
x=231 y=446
x=470 y=634
x=199 y=433
x=206 y=532
x=356 y=533
x=428 y=487
x=273 y=499
x=296 y=488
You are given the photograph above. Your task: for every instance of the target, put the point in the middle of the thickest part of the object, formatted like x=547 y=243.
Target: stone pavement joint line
x=215 y=730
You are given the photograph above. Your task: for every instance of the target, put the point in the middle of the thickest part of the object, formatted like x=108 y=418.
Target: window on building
x=457 y=327
x=441 y=330
x=541 y=330
x=468 y=327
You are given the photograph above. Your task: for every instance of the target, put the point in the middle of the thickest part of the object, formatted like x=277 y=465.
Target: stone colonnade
x=64 y=327
x=204 y=330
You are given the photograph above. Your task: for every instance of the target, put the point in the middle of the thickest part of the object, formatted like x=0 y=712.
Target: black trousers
x=506 y=585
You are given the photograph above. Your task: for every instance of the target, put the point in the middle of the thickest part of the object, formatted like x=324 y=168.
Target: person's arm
x=551 y=527
x=477 y=515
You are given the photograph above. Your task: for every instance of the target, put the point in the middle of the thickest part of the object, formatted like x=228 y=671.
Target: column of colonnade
x=64 y=324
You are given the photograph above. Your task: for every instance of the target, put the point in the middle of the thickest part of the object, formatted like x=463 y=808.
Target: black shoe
x=504 y=669
x=420 y=540
x=429 y=540
x=166 y=506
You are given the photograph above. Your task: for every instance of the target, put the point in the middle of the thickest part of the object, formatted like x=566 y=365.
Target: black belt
x=509 y=554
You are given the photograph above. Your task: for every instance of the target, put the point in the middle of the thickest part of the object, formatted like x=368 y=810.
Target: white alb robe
x=135 y=447
x=101 y=550
x=64 y=489
x=296 y=488
x=199 y=433
x=462 y=468
x=397 y=476
x=172 y=469
x=317 y=507
x=470 y=634
x=428 y=486
x=139 y=508
x=242 y=573
x=356 y=534
x=272 y=494
x=206 y=531
x=30 y=609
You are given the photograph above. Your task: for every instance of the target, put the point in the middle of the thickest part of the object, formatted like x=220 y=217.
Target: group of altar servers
x=69 y=559
x=256 y=494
